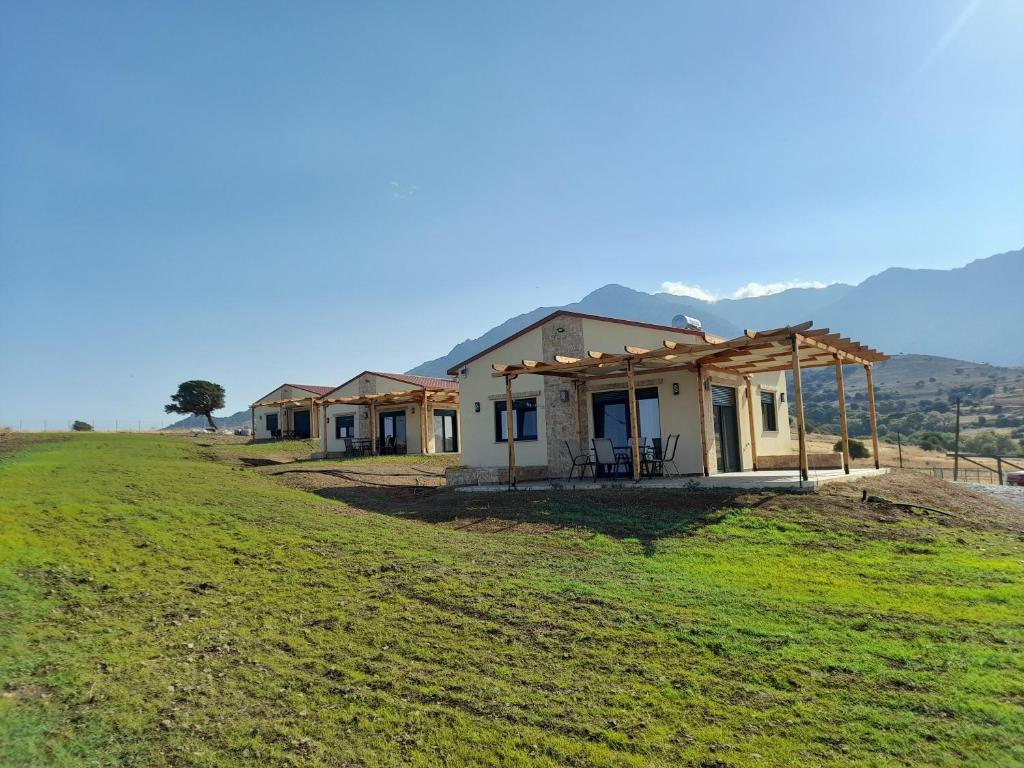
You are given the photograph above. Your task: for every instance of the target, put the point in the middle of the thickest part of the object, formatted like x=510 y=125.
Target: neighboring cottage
x=393 y=412
x=290 y=411
x=551 y=411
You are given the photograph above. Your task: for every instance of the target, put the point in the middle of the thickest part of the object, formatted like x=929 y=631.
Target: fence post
x=956 y=447
x=999 y=469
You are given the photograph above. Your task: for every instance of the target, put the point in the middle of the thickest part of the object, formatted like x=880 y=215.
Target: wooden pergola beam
x=800 y=425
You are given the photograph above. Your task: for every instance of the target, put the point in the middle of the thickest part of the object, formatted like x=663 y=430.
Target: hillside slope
x=197 y=613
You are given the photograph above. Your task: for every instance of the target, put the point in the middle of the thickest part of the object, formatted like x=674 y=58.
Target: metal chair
x=669 y=456
x=606 y=458
x=582 y=461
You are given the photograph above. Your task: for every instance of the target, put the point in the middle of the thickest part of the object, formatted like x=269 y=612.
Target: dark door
x=392 y=432
x=611 y=415
x=445 y=432
x=300 y=424
x=727 y=439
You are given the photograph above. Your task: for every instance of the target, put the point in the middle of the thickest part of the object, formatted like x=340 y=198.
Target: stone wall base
x=458 y=476
x=792 y=461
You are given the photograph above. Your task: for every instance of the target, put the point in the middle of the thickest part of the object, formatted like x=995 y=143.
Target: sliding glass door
x=611 y=415
x=445 y=434
x=392 y=432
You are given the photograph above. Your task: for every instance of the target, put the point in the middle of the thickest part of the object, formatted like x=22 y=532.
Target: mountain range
x=968 y=313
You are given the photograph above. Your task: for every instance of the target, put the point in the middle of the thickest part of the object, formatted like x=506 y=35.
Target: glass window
x=769 y=413
x=524 y=422
x=344 y=426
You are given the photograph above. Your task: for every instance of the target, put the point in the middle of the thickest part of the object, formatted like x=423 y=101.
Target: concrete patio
x=782 y=480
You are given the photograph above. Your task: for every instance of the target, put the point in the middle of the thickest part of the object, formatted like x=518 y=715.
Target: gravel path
x=1014 y=494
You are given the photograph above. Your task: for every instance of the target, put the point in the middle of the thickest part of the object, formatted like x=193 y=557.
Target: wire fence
x=98 y=425
x=984 y=476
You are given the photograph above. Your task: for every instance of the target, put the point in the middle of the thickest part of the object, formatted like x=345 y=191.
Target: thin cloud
x=682 y=289
x=748 y=291
x=753 y=290
x=941 y=44
x=400 y=191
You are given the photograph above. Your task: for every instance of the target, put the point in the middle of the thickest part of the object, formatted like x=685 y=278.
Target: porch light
x=707 y=385
x=476 y=407
x=782 y=397
x=563 y=395
x=675 y=387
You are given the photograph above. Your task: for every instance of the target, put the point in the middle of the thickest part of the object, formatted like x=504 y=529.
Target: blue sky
x=260 y=192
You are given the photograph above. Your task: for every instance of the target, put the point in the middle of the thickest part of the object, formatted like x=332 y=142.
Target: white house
x=291 y=410
x=392 y=412
x=555 y=416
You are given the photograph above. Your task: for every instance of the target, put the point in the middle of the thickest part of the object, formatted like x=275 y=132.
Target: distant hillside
x=969 y=312
x=234 y=421
x=915 y=394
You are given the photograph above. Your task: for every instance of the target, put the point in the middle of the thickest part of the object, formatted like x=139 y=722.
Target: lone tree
x=197 y=398
x=81 y=426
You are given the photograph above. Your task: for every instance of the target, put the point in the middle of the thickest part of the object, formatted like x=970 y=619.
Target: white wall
x=479 y=447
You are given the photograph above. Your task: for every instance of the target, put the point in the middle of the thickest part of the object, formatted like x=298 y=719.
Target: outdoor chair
x=581 y=461
x=350 y=447
x=656 y=465
x=606 y=458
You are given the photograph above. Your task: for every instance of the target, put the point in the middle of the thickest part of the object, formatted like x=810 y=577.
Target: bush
x=857 y=449
x=933 y=441
x=82 y=426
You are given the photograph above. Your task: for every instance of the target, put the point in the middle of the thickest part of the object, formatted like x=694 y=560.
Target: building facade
x=553 y=416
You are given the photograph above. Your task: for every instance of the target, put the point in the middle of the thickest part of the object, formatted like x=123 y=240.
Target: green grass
x=162 y=609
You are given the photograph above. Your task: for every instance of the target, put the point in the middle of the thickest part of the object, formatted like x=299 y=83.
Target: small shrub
x=81 y=426
x=857 y=449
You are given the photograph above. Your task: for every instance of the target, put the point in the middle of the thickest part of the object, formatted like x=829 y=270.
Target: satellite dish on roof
x=687 y=322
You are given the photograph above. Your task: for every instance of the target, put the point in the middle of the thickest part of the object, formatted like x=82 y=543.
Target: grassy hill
x=165 y=605
x=915 y=395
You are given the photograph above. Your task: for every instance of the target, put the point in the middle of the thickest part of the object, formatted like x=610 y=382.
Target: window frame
x=339 y=419
x=500 y=419
x=769 y=411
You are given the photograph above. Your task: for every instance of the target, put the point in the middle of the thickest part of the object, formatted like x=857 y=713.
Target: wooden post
x=841 y=396
x=750 y=418
x=423 y=425
x=634 y=422
x=314 y=419
x=801 y=427
x=703 y=425
x=999 y=468
x=581 y=414
x=510 y=426
x=252 y=420
x=871 y=411
x=373 y=428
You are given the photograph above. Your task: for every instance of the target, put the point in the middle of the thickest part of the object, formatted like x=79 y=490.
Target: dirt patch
x=410 y=490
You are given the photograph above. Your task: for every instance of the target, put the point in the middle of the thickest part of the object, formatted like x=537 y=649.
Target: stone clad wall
x=562 y=336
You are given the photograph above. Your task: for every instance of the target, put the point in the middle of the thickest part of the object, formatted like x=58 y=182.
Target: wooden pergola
x=311 y=401
x=422 y=397
x=789 y=348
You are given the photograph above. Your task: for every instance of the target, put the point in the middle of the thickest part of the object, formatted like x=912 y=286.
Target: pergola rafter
x=790 y=347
